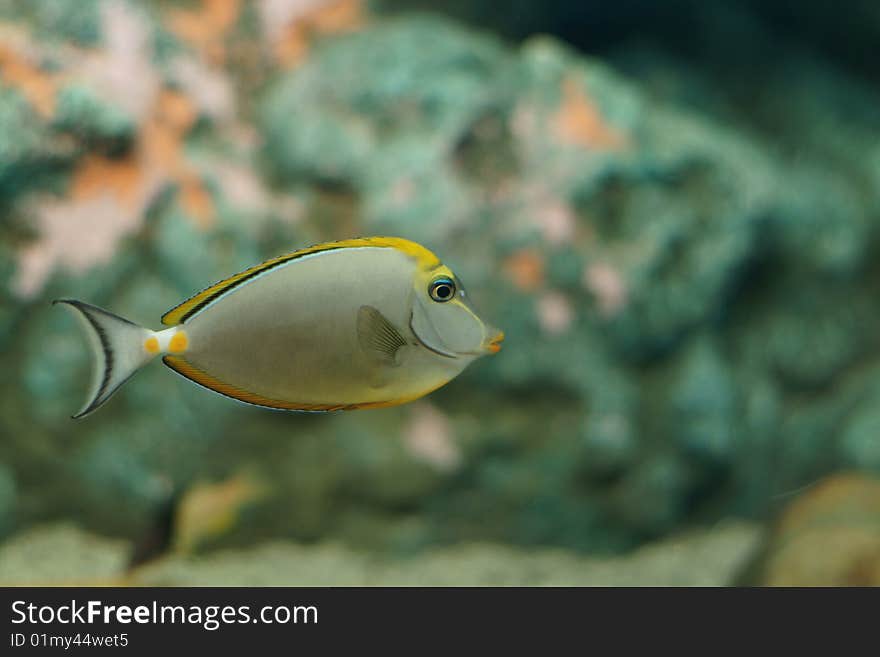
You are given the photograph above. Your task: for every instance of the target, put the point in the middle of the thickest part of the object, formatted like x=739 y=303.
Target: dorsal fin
x=182 y=312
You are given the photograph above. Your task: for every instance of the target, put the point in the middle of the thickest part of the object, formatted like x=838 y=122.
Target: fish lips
x=494 y=344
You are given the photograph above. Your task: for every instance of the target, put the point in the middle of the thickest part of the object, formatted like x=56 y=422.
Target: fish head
x=444 y=320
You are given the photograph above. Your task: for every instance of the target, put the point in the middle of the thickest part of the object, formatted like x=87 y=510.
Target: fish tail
x=119 y=349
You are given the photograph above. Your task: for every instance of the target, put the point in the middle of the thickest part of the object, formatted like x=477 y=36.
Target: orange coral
x=196 y=200
x=525 y=269
x=158 y=155
x=98 y=174
x=110 y=196
x=337 y=16
x=330 y=17
x=37 y=86
x=580 y=122
x=162 y=134
x=207 y=26
x=161 y=147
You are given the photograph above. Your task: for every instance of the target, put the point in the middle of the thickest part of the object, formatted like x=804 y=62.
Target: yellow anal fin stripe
x=184 y=368
x=424 y=258
x=395 y=402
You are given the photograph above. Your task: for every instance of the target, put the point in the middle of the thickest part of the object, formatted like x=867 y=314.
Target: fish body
x=360 y=323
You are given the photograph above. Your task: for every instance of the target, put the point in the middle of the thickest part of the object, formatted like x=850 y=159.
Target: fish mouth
x=491 y=346
x=494 y=345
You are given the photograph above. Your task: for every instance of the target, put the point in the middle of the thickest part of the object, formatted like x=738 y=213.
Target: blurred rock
x=672 y=562
x=8 y=501
x=829 y=536
x=685 y=273
x=62 y=555
x=74 y=20
x=80 y=111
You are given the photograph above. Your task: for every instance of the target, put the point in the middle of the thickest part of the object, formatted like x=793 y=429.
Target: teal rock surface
x=688 y=291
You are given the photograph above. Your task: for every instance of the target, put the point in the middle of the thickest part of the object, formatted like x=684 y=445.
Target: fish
x=362 y=323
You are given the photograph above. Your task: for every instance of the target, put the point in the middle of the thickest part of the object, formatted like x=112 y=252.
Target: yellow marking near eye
x=178 y=343
x=151 y=345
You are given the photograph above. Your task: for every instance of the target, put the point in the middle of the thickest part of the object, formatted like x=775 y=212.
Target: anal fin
x=187 y=370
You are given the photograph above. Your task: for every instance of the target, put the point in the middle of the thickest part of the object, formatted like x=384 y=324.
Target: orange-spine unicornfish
x=360 y=323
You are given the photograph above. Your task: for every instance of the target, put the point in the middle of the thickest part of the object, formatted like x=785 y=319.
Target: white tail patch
x=119 y=349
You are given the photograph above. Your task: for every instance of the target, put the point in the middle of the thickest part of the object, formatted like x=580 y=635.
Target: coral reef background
x=672 y=209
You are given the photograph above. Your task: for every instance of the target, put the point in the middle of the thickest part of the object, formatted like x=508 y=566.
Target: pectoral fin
x=377 y=336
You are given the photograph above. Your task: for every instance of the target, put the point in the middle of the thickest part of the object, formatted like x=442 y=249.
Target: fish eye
x=442 y=289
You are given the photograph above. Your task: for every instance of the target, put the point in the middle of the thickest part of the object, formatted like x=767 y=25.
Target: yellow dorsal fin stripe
x=423 y=257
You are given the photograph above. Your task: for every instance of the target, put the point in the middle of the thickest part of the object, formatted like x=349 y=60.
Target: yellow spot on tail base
x=151 y=345
x=179 y=343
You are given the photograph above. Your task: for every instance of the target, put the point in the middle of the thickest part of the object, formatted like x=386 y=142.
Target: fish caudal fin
x=119 y=349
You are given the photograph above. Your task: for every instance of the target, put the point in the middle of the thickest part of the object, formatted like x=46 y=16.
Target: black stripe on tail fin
x=117 y=347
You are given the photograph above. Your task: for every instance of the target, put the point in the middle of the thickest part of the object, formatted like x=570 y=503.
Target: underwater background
x=671 y=208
